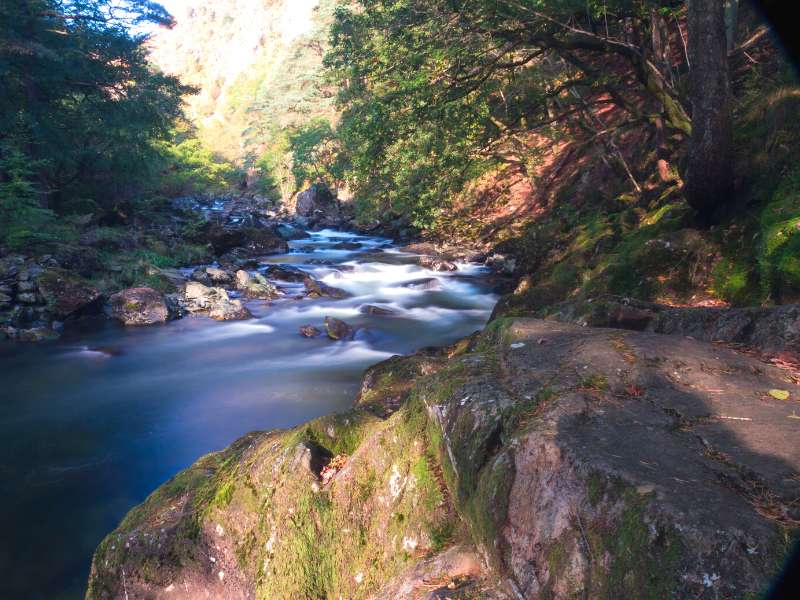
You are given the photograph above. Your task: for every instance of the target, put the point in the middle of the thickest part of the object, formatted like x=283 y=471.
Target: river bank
x=113 y=411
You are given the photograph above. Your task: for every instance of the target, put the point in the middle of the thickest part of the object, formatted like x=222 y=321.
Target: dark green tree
x=78 y=89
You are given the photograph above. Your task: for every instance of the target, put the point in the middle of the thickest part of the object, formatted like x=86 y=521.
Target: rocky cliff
x=534 y=460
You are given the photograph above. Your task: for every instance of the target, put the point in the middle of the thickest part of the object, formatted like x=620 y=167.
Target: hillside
x=256 y=65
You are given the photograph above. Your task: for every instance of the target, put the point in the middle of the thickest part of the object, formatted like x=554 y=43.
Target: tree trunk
x=709 y=184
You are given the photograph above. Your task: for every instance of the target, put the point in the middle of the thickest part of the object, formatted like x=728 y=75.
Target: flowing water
x=91 y=424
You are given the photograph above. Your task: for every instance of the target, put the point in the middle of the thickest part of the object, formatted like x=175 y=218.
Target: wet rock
x=347 y=246
x=286 y=273
x=214 y=301
x=288 y=232
x=378 y=311
x=200 y=276
x=338 y=329
x=231 y=310
x=424 y=283
x=218 y=276
x=255 y=286
x=310 y=331
x=264 y=240
x=5 y=299
x=139 y=306
x=437 y=264
x=317 y=289
x=67 y=294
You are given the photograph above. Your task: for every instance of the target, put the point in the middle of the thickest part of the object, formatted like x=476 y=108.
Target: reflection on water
x=91 y=424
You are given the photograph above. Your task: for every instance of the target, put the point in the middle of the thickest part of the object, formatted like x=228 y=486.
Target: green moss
x=597 y=382
x=224 y=494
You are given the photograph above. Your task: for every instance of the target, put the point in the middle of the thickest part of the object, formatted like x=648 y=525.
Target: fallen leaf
x=779 y=394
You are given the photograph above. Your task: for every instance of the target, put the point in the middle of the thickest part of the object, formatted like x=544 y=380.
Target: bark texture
x=710 y=172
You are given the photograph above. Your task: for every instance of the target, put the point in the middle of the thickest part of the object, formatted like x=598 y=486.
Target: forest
x=509 y=291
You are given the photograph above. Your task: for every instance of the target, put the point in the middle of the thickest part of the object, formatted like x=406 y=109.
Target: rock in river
x=317 y=289
x=215 y=301
x=437 y=264
x=139 y=306
x=338 y=329
x=255 y=286
x=310 y=331
x=377 y=311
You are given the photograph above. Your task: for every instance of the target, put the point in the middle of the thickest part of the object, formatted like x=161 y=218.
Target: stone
x=377 y=311
x=200 y=276
x=424 y=283
x=214 y=301
x=310 y=331
x=255 y=286
x=139 y=306
x=172 y=278
x=347 y=246
x=338 y=329
x=218 y=276
x=231 y=310
x=286 y=273
x=288 y=232
x=67 y=294
x=317 y=202
x=202 y=297
x=243 y=279
x=433 y=263
x=317 y=289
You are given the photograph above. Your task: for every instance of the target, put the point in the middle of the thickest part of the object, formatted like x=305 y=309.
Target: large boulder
x=255 y=285
x=540 y=460
x=286 y=273
x=213 y=301
x=139 y=306
x=244 y=241
x=319 y=207
x=232 y=310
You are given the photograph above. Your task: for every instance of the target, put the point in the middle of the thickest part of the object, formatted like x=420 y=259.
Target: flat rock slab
x=682 y=435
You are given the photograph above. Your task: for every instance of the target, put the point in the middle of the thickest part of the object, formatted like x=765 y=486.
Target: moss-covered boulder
x=139 y=306
x=538 y=460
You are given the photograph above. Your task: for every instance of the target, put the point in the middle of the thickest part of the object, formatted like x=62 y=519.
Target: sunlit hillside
x=255 y=63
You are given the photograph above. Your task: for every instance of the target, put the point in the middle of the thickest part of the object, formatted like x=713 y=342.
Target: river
x=92 y=423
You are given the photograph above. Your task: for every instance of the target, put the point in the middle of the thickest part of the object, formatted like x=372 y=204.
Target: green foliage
x=79 y=92
x=315 y=153
x=23 y=222
x=779 y=250
x=192 y=168
x=433 y=95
